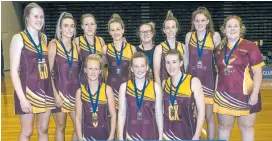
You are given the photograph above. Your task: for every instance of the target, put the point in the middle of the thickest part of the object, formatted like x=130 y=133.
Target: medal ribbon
x=139 y=102
x=173 y=98
x=69 y=59
x=118 y=60
x=176 y=44
x=37 y=47
x=94 y=105
x=200 y=50
x=226 y=60
x=89 y=47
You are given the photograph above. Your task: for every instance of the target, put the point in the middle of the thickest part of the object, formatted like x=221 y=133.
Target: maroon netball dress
x=179 y=120
x=235 y=79
x=202 y=64
x=34 y=75
x=66 y=76
x=141 y=122
x=95 y=123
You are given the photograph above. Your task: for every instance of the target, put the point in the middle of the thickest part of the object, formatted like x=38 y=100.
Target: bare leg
x=26 y=126
x=73 y=118
x=60 y=119
x=225 y=125
x=209 y=115
x=42 y=125
x=246 y=125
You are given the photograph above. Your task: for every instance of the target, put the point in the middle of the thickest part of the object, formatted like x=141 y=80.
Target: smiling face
x=89 y=26
x=173 y=64
x=35 y=19
x=170 y=29
x=146 y=34
x=139 y=67
x=200 y=22
x=116 y=31
x=232 y=29
x=67 y=28
x=93 y=70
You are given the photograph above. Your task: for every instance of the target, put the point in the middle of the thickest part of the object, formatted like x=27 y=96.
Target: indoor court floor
x=11 y=125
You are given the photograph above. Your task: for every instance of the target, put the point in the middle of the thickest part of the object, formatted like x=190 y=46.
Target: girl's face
x=170 y=29
x=139 y=67
x=116 y=31
x=146 y=34
x=173 y=64
x=35 y=19
x=89 y=26
x=232 y=29
x=93 y=70
x=200 y=22
x=67 y=28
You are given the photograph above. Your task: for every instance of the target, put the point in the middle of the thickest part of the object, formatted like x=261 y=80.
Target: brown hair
x=169 y=17
x=177 y=53
x=115 y=18
x=131 y=76
x=242 y=29
x=27 y=12
x=86 y=16
x=63 y=15
x=153 y=30
x=206 y=13
x=99 y=58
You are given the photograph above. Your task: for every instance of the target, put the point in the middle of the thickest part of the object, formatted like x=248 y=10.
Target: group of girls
x=147 y=92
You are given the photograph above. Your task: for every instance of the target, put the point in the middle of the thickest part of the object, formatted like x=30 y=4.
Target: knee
x=27 y=132
x=246 y=126
x=42 y=129
x=225 y=126
x=60 y=127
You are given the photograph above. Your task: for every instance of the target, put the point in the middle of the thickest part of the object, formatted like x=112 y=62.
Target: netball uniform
x=95 y=125
x=146 y=127
x=149 y=54
x=85 y=51
x=203 y=67
x=163 y=72
x=34 y=76
x=236 y=85
x=115 y=78
x=179 y=120
x=66 y=78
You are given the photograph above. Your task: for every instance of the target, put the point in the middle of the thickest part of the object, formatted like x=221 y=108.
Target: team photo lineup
x=145 y=91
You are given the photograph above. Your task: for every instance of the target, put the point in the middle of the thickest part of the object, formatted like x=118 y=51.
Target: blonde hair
x=86 y=16
x=242 y=29
x=99 y=58
x=27 y=12
x=131 y=75
x=153 y=30
x=177 y=53
x=206 y=13
x=115 y=18
x=169 y=17
x=63 y=15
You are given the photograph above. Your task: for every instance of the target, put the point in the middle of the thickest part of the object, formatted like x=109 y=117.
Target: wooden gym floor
x=11 y=125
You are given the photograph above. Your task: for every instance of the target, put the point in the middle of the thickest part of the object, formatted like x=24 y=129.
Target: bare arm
x=216 y=39
x=78 y=115
x=122 y=110
x=257 y=81
x=158 y=109
x=16 y=47
x=51 y=57
x=102 y=42
x=112 y=110
x=199 y=99
x=157 y=63
x=186 y=51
